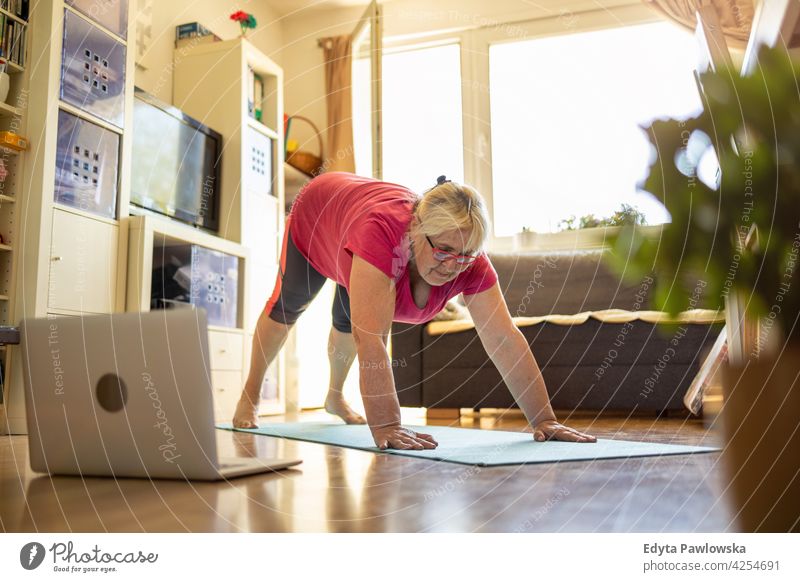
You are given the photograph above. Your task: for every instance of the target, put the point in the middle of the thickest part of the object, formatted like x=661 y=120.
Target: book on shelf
x=193 y=33
x=12 y=40
x=190 y=29
x=18 y=8
x=16 y=43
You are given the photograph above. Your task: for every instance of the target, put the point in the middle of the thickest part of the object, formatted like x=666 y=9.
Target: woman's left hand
x=552 y=430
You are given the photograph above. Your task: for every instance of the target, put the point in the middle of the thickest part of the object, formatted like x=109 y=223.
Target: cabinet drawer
x=227 y=390
x=83 y=264
x=225 y=350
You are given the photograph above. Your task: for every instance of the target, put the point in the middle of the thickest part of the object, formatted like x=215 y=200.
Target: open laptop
x=125 y=395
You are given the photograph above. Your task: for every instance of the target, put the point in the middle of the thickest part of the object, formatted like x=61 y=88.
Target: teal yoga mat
x=473 y=446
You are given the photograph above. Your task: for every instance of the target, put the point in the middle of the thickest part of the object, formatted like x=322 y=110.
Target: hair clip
x=441 y=180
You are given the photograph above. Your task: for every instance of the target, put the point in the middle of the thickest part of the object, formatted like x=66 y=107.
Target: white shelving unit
x=211 y=85
x=66 y=261
x=12 y=117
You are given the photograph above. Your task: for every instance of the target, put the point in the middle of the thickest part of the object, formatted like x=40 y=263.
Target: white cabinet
x=68 y=261
x=227 y=390
x=83 y=264
x=226 y=354
x=225 y=350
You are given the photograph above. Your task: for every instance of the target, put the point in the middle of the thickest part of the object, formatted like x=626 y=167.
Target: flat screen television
x=176 y=163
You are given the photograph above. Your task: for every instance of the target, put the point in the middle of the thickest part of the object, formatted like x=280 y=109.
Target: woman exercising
x=395 y=256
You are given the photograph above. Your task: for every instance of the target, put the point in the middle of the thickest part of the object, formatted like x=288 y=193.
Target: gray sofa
x=596 y=366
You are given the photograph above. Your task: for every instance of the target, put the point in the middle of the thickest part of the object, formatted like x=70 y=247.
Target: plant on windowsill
x=584 y=233
x=627 y=215
x=736 y=234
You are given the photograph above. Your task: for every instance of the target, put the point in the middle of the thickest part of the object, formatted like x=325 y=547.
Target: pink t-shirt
x=339 y=214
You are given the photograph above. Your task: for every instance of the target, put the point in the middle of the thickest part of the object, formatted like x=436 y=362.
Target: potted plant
x=730 y=179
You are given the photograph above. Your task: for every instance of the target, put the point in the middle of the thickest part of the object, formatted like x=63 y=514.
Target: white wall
x=214 y=15
x=303 y=67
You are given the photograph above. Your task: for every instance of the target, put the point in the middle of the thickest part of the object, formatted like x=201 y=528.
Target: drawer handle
x=57 y=258
x=223 y=351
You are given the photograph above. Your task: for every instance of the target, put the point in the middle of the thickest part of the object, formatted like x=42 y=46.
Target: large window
x=565 y=117
x=422 y=135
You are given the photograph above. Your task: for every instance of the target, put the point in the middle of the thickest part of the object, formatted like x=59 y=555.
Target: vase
x=761 y=456
x=4 y=85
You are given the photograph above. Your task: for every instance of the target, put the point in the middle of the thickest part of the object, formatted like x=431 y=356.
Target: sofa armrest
x=406 y=352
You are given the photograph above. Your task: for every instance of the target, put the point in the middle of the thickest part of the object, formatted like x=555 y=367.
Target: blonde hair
x=452 y=206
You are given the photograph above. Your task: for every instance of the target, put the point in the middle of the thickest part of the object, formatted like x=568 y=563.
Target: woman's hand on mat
x=552 y=430
x=397 y=437
x=246 y=415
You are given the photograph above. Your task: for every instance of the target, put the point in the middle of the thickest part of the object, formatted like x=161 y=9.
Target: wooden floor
x=346 y=490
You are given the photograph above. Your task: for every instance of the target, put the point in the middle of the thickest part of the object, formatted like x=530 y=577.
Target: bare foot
x=246 y=415
x=335 y=404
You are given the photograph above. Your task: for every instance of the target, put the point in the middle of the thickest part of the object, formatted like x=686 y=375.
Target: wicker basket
x=304 y=161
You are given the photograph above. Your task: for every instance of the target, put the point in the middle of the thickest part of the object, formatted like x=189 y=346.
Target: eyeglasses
x=442 y=255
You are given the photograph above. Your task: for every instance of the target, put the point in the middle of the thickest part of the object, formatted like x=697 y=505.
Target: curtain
x=735 y=16
x=339 y=104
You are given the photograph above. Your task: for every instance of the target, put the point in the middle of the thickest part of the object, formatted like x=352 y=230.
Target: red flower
x=240 y=16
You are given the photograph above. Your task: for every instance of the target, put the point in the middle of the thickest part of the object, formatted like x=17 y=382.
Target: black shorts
x=297 y=285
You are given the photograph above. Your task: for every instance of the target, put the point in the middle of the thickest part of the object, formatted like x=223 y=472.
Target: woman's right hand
x=398 y=437
x=246 y=415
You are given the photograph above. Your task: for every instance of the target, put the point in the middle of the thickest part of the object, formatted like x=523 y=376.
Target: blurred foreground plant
x=730 y=179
